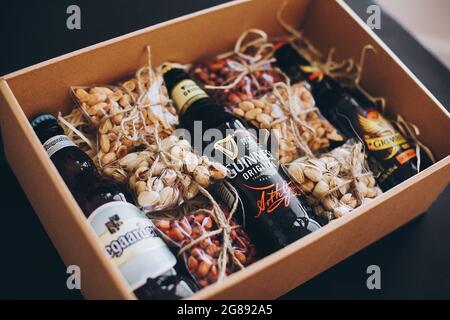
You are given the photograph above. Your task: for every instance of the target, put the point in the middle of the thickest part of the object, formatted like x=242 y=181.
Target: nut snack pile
x=336 y=182
x=207 y=254
x=127 y=116
x=242 y=74
x=290 y=113
x=166 y=174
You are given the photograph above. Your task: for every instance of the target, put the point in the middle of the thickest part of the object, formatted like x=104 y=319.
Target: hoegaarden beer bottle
x=273 y=215
x=128 y=236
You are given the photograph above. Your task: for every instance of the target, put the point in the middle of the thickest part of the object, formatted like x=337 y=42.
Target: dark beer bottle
x=391 y=157
x=273 y=215
x=129 y=238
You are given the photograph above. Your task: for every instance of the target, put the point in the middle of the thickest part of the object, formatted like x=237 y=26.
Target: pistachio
x=191 y=161
x=330 y=202
x=341 y=211
x=313 y=174
x=141 y=186
x=168 y=176
x=168 y=196
x=218 y=171
x=142 y=173
x=191 y=191
x=296 y=172
x=148 y=199
x=321 y=189
x=155 y=184
x=201 y=176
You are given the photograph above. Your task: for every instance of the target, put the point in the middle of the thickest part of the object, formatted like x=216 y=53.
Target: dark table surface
x=414 y=260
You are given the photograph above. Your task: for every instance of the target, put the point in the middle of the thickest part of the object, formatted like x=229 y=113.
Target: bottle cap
x=41 y=119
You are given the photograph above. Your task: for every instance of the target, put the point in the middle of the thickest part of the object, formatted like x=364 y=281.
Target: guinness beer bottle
x=391 y=157
x=129 y=238
x=273 y=215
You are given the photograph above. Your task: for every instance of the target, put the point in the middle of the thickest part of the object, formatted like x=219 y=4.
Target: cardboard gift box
x=45 y=88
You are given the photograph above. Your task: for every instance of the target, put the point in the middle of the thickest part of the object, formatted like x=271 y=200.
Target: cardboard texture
x=45 y=88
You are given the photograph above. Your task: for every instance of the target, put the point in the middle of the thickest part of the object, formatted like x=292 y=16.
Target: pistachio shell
x=148 y=198
x=169 y=197
x=168 y=177
x=341 y=211
x=313 y=174
x=321 y=189
x=296 y=171
x=190 y=161
x=155 y=184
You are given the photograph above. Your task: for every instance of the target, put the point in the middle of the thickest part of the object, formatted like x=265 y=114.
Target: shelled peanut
x=267 y=113
x=219 y=72
x=203 y=259
x=328 y=186
x=316 y=131
x=101 y=102
x=121 y=128
x=163 y=179
x=264 y=114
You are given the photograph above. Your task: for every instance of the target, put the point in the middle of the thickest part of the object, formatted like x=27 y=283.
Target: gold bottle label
x=381 y=136
x=185 y=93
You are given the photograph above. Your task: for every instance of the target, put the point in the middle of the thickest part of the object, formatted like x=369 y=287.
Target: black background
x=414 y=260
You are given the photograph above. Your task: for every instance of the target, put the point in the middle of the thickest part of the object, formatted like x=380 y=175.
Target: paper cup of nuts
x=335 y=183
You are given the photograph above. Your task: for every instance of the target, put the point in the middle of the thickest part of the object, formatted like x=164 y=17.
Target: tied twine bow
x=349 y=73
x=246 y=64
x=344 y=70
x=224 y=229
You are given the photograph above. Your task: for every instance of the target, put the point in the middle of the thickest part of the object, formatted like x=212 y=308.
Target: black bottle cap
x=41 y=119
x=45 y=126
x=286 y=55
x=172 y=76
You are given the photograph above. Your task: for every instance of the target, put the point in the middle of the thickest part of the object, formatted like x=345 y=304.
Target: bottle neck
x=325 y=90
x=193 y=103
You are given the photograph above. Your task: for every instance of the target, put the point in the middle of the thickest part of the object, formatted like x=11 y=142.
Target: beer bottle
x=129 y=238
x=391 y=157
x=272 y=215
